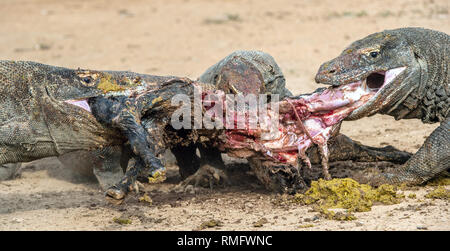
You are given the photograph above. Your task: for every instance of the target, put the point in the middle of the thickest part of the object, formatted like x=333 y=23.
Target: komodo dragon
x=408 y=70
x=50 y=111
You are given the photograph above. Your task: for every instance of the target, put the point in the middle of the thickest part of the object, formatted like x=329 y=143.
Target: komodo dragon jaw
x=408 y=70
x=384 y=62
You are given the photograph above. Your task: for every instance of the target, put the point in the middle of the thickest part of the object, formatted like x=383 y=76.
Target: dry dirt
x=183 y=38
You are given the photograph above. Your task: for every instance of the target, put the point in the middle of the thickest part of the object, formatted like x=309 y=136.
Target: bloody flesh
x=302 y=122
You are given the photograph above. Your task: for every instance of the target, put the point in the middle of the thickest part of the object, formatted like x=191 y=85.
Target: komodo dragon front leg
x=125 y=115
x=432 y=158
x=108 y=164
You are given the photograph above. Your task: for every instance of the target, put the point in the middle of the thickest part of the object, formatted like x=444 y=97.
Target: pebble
x=249 y=205
x=314 y=218
x=17 y=220
x=422 y=228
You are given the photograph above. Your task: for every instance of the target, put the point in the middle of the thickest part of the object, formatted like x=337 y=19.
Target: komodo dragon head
x=383 y=63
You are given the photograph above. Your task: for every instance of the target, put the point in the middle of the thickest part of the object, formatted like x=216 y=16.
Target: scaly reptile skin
x=409 y=68
x=38 y=118
x=37 y=121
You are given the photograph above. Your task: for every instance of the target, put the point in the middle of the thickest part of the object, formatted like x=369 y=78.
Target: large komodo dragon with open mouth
x=50 y=111
x=408 y=69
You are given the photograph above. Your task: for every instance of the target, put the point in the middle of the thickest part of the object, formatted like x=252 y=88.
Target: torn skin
x=302 y=121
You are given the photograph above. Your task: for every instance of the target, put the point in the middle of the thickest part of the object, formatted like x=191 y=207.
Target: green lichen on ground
x=347 y=194
x=412 y=196
x=442 y=180
x=339 y=216
x=146 y=198
x=210 y=224
x=439 y=193
x=122 y=221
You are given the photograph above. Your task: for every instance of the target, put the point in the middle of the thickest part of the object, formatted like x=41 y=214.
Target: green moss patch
x=439 y=193
x=210 y=224
x=146 y=198
x=122 y=221
x=442 y=180
x=347 y=194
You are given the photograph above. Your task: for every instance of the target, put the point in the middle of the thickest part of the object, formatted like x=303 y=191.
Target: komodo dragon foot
x=205 y=176
x=207 y=171
x=117 y=193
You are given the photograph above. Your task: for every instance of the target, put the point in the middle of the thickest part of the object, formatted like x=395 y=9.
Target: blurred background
x=185 y=37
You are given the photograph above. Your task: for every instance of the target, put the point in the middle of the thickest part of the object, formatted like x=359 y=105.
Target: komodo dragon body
x=408 y=70
x=49 y=111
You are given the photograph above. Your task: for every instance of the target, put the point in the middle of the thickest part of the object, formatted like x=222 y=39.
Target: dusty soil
x=184 y=37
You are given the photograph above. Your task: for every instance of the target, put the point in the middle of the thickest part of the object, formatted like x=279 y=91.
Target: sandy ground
x=185 y=37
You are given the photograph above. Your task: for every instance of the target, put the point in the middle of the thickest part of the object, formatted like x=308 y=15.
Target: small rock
x=210 y=224
x=260 y=222
x=314 y=218
x=125 y=13
x=422 y=228
x=249 y=205
x=17 y=220
x=42 y=46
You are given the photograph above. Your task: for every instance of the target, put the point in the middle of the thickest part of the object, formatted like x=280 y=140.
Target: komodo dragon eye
x=87 y=78
x=374 y=54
